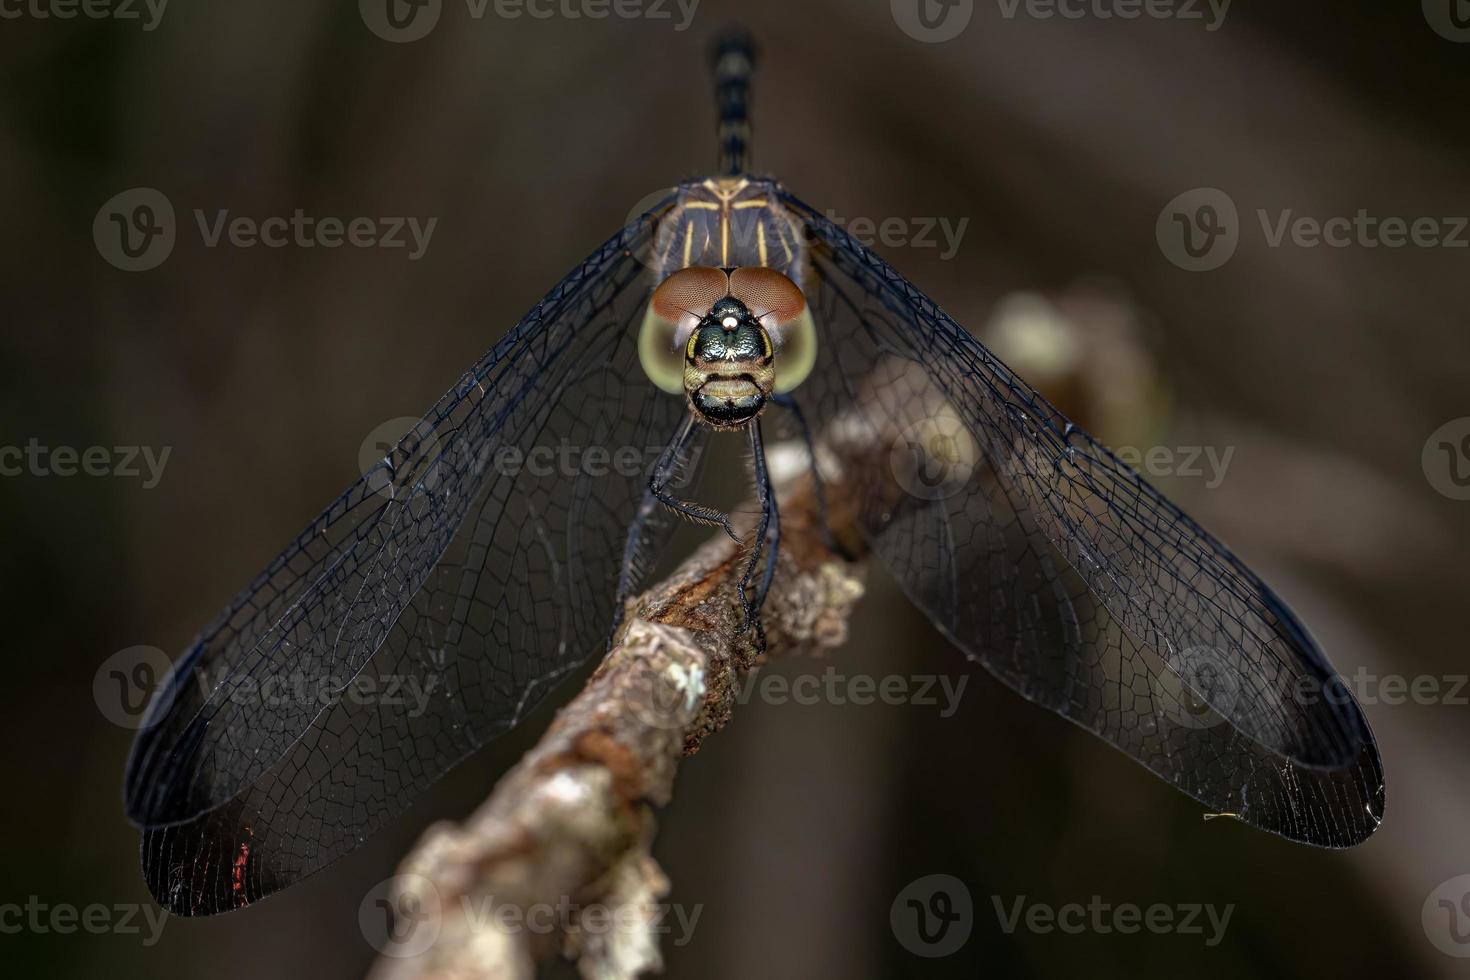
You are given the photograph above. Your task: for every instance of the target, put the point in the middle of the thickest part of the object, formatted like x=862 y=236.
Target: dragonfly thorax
x=729 y=365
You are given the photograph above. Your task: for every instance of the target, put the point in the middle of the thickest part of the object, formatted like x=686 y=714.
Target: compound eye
x=774 y=299
x=689 y=294
x=798 y=354
x=675 y=309
x=781 y=308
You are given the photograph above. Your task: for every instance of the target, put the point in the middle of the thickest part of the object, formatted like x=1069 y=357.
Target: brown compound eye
x=689 y=293
x=781 y=308
x=774 y=299
x=675 y=309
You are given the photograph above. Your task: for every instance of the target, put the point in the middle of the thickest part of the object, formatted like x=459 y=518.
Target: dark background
x=1059 y=140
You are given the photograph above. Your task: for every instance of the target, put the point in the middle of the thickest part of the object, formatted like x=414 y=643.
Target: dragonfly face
x=727 y=340
x=729 y=366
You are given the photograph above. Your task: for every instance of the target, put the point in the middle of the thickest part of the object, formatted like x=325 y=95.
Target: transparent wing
x=422 y=614
x=1046 y=559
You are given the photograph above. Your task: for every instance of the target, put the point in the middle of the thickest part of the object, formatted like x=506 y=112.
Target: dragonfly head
x=727 y=339
x=729 y=365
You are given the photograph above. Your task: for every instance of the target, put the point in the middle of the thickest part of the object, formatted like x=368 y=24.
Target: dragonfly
x=432 y=605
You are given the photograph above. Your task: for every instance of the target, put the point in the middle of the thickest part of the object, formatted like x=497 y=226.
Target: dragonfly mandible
x=729 y=305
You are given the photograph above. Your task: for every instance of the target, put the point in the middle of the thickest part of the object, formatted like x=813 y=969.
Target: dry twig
x=557 y=859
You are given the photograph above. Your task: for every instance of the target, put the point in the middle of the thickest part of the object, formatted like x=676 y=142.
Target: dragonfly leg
x=775 y=545
x=664 y=470
x=769 y=530
x=789 y=403
x=628 y=576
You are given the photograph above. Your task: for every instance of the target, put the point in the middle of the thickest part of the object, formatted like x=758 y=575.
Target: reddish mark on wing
x=237 y=872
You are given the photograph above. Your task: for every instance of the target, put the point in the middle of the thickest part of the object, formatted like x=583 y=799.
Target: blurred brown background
x=1058 y=140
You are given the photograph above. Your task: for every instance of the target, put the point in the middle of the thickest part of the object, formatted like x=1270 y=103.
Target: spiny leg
x=769 y=527
x=775 y=546
x=663 y=471
x=789 y=403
